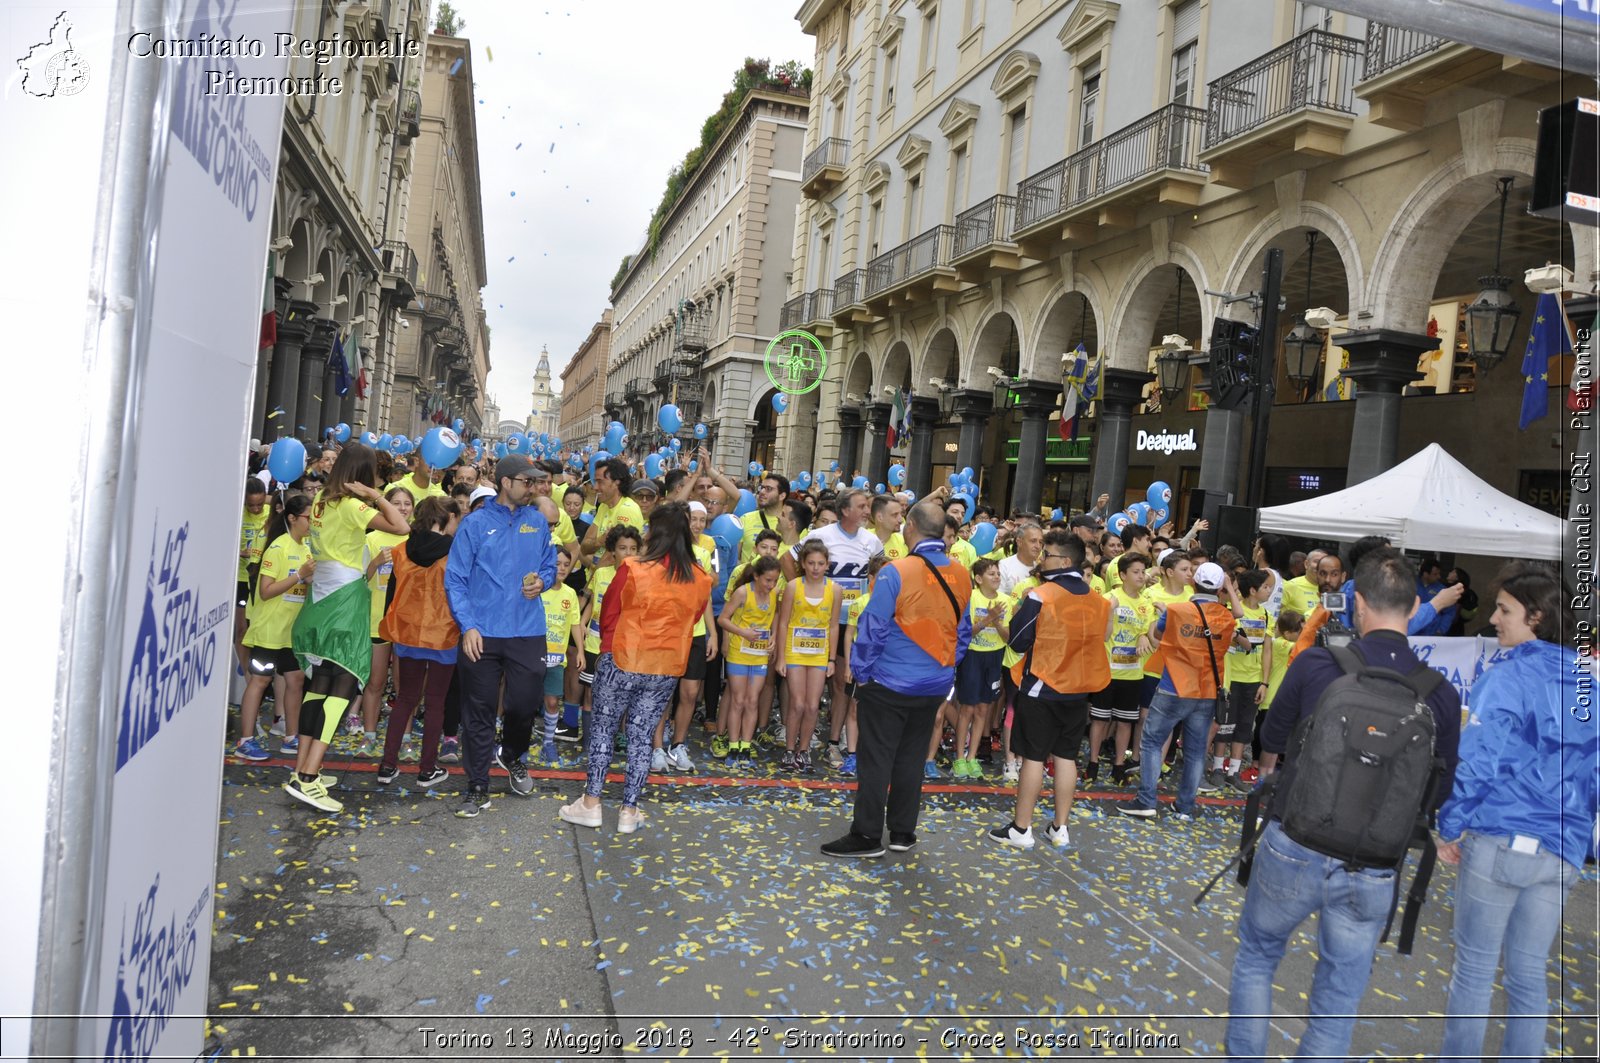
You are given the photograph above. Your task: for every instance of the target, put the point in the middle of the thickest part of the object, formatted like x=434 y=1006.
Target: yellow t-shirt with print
x=705 y=558
x=963 y=552
x=409 y=482
x=378 y=541
x=1301 y=596
x=1132 y=616
x=758 y=616
x=339 y=531
x=989 y=639
x=597 y=590
x=754 y=523
x=1244 y=666
x=272 y=619
x=561 y=615
x=626 y=511
x=251 y=531
x=1019 y=592
x=894 y=547
x=806 y=639
x=1281 y=649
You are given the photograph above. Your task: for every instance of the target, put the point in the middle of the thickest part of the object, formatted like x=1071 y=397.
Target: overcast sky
x=603 y=97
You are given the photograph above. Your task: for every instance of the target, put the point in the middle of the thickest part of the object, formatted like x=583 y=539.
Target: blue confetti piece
x=513 y=194
x=456 y=66
x=483 y=998
x=518 y=147
x=602 y=965
x=427 y=1003
x=513 y=258
x=552 y=147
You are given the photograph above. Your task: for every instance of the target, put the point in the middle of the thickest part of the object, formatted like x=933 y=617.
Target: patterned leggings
x=643 y=698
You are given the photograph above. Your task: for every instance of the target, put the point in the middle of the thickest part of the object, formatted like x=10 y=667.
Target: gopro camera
x=1334 y=603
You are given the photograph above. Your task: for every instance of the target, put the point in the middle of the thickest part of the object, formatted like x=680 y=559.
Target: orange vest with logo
x=1183 y=641
x=655 y=622
x=419 y=615
x=923 y=611
x=1069 y=649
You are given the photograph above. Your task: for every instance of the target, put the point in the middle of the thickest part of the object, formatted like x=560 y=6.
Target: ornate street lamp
x=1302 y=348
x=1492 y=318
x=1172 y=366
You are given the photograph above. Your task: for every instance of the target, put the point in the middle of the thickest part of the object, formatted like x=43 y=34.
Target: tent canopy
x=1430 y=502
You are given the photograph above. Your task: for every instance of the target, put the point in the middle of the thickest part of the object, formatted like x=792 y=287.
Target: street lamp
x=1172 y=374
x=1492 y=318
x=1302 y=348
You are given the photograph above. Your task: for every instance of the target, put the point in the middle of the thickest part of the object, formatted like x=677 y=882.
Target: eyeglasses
x=1059 y=557
x=525 y=480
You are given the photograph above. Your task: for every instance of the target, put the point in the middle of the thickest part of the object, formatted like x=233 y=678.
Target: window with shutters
x=1016 y=148
x=960 y=167
x=891 y=73
x=1088 y=103
x=913 y=219
x=1185 y=51
x=874 y=228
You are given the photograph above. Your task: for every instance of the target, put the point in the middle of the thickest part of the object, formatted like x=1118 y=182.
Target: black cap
x=510 y=467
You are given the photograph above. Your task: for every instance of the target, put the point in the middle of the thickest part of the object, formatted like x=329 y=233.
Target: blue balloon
x=369 y=439
x=403 y=446
x=982 y=539
x=555 y=441
x=477 y=444
x=755 y=468
x=879 y=489
x=1139 y=512
x=595 y=459
x=1157 y=517
x=1055 y=514
x=780 y=402
x=459 y=425
x=1159 y=495
x=676 y=444
x=1116 y=522
x=544 y=439
x=616 y=435
x=501 y=450
x=966 y=473
x=727 y=530
x=699 y=431
x=897 y=475
x=833 y=466
x=910 y=496
x=746 y=503
x=287 y=460
x=859 y=482
x=341 y=432
x=652 y=465
x=804 y=479
x=384 y=441
x=669 y=419
x=441 y=447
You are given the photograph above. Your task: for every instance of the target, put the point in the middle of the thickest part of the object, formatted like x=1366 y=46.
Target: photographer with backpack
x=1371 y=734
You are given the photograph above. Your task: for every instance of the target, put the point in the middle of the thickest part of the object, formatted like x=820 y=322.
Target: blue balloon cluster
x=727 y=530
x=897 y=475
x=982 y=538
x=616 y=435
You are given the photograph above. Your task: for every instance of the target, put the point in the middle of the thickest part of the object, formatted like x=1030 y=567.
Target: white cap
x=1210 y=577
x=1162 y=556
x=696 y=507
x=255 y=444
x=479 y=492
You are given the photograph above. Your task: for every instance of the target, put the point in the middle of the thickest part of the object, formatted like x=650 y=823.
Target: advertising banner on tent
x=1460 y=660
x=198 y=321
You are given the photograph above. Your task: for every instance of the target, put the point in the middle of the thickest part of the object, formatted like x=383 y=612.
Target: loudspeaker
x=1566 y=172
x=1235 y=362
x=1236 y=526
x=1206 y=505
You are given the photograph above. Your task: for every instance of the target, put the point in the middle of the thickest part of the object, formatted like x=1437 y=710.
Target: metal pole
x=1266 y=370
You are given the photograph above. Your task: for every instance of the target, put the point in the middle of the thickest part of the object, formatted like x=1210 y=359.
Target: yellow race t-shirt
x=1301 y=595
x=1244 y=666
x=339 y=531
x=806 y=640
x=377 y=541
x=759 y=616
x=272 y=619
x=1280 y=665
x=894 y=547
x=251 y=531
x=1132 y=616
x=961 y=551
x=1019 y=592
x=561 y=615
x=983 y=606
x=626 y=511
x=409 y=482
x=597 y=591
x=754 y=523
x=705 y=557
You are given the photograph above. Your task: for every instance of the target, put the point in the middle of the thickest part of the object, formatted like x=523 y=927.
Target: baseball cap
x=696 y=507
x=479 y=492
x=643 y=485
x=512 y=466
x=1210 y=576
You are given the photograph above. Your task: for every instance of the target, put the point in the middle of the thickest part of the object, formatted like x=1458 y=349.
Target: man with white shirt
x=1018 y=567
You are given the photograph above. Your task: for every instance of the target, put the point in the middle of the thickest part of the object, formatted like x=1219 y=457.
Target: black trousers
x=895 y=729
x=520 y=661
x=713 y=688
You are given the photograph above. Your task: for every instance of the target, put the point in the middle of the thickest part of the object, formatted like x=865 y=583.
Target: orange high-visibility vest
x=1069 y=647
x=655 y=621
x=923 y=611
x=420 y=613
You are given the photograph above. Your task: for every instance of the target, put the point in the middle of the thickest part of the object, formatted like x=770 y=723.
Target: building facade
x=693 y=318
x=583 y=388
x=442 y=351
x=992 y=183
x=339 y=274
x=544 y=410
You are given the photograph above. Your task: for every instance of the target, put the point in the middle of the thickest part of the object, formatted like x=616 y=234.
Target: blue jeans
x=1166 y=713
x=1503 y=896
x=1288 y=883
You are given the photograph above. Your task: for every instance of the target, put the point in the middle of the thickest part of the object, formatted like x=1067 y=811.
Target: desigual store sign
x=1164 y=442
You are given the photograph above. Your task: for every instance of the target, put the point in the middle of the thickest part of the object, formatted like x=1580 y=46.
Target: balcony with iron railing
x=400 y=266
x=808 y=309
x=614 y=400
x=823 y=167
x=1404 y=68
x=916 y=269
x=634 y=389
x=849 y=299
x=410 y=115
x=662 y=377
x=1298 y=98
x=982 y=242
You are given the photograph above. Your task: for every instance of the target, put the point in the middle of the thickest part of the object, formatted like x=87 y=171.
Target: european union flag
x=1547 y=337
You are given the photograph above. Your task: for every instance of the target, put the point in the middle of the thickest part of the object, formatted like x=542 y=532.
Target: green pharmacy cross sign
x=795 y=361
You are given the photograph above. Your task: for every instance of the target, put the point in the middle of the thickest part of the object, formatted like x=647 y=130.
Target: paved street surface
x=396 y=931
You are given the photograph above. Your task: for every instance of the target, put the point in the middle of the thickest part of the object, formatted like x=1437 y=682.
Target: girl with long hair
x=277 y=591
x=749 y=616
x=808 y=623
x=380 y=570
x=332 y=635
x=645 y=636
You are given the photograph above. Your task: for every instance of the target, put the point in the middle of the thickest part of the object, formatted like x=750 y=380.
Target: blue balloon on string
x=859 y=482
x=501 y=450
x=746 y=503
x=754 y=468
x=384 y=441
x=1159 y=495
x=699 y=431
x=879 y=489
x=616 y=436
x=833 y=466
x=459 y=425
x=1139 y=512
x=652 y=466
x=544 y=439
x=595 y=459
x=693 y=465
x=897 y=475
x=675 y=444
x=1116 y=522
x=727 y=530
x=669 y=419
x=982 y=538
x=441 y=447
x=804 y=479
x=1055 y=514
x=780 y=402
x=341 y=432
x=286 y=461
x=477 y=444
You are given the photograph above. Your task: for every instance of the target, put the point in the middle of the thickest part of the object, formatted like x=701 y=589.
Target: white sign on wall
x=1165 y=442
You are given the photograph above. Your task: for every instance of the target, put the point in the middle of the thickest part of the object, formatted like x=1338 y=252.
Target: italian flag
x=897 y=419
x=269 y=316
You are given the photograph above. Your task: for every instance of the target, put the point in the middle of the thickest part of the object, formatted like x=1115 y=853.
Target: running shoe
x=1091 y=771
x=958 y=768
x=328 y=781
x=719 y=746
x=802 y=762
x=352 y=724
x=1057 y=836
x=409 y=754
x=1237 y=782
x=788 y=761
x=658 y=760
x=901 y=842
x=427 y=780
x=583 y=817
x=1131 y=763
x=250 y=749
x=678 y=758
x=930 y=770
x=290 y=745
x=1119 y=775
x=370 y=748
x=1008 y=834
x=848 y=765
x=521 y=785
x=853 y=845
x=835 y=755
x=387 y=774
x=473 y=802
x=1211 y=781
x=1013 y=771
x=549 y=754
x=1137 y=811
x=569 y=734
x=312 y=793
x=629 y=820
x=277 y=727
x=450 y=750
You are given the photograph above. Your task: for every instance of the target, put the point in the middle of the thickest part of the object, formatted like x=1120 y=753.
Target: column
x=332 y=402
x=1121 y=390
x=877 y=471
x=924 y=420
x=294 y=326
x=974 y=408
x=1382 y=363
x=849 y=441
x=258 y=407
x=1037 y=401
x=313 y=362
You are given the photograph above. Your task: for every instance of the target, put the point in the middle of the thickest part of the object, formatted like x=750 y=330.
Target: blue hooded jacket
x=884 y=654
x=493 y=549
x=1529 y=753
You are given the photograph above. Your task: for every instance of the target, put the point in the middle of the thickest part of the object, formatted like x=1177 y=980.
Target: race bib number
x=808 y=640
x=1124 y=656
x=297 y=593
x=383 y=574
x=762 y=643
x=851 y=589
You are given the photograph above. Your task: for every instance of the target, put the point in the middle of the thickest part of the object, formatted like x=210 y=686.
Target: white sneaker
x=678 y=758
x=1057 y=836
x=1013 y=771
x=1009 y=835
x=277 y=727
x=578 y=814
x=658 y=760
x=835 y=756
x=629 y=820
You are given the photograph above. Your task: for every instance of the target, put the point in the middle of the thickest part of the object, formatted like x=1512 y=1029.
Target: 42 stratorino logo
x=795 y=361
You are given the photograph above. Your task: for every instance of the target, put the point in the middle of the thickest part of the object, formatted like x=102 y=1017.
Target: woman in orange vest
x=646 y=629
x=419 y=625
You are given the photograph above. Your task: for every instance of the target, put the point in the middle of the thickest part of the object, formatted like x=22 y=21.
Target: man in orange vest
x=1060 y=630
x=911 y=635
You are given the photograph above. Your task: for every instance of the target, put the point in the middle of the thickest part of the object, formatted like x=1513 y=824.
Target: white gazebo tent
x=1429 y=502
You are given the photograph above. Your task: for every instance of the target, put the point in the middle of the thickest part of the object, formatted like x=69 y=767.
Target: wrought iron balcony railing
x=988 y=223
x=1317 y=70
x=1389 y=47
x=911 y=259
x=832 y=152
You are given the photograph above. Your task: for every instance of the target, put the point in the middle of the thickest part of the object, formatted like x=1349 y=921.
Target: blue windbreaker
x=493 y=549
x=1529 y=753
x=883 y=654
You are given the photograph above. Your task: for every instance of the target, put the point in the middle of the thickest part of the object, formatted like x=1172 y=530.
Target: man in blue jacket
x=912 y=634
x=502 y=559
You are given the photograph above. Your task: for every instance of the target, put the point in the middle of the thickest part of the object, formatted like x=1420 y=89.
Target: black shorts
x=241 y=593
x=1238 y=723
x=1044 y=729
x=978 y=677
x=272 y=662
x=1118 y=701
x=695 y=670
x=838 y=645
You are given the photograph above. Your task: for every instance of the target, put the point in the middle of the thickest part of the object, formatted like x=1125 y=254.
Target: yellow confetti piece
x=349 y=1006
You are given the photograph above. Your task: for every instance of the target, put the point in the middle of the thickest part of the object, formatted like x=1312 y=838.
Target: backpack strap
x=948 y=593
x=1211 y=651
x=1417 y=895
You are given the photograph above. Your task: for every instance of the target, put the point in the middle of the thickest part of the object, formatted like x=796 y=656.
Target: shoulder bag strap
x=942 y=584
x=1211 y=651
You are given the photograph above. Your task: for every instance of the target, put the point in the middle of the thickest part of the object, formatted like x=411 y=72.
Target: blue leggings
x=643 y=698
